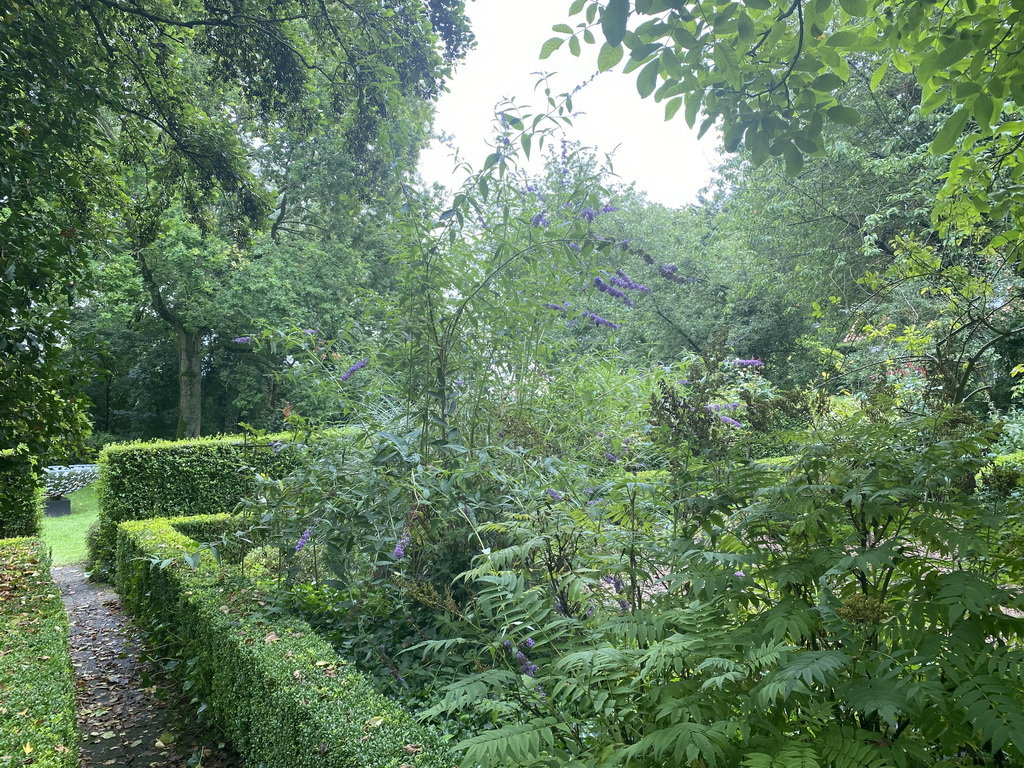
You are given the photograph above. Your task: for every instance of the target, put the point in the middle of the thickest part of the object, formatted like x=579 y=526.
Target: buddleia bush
x=858 y=605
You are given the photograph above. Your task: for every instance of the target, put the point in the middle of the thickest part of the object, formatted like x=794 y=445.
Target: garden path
x=129 y=716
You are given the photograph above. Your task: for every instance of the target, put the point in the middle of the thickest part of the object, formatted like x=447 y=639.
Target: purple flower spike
x=609 y=209
x=752 y=363
x=355 y=367
x=242 y=340
x=399 y=552
x=539 y=220
x=303 y=539
x=554 y=494
x=528 y=643
x=309 y=331
x=611 y=457
x=588 y=214
x=730 y=421
x=575 y=247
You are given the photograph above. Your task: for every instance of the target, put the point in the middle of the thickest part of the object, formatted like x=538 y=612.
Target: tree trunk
x=190 y=382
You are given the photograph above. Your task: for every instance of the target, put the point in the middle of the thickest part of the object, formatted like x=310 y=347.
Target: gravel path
x=129 y=716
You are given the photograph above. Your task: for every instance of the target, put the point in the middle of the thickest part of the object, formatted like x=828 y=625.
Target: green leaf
x=847 y=39
x=934 y=63
x=574 y=46
x=672 y=106
x=844 y=115
x=878 y=75
x=609 y=56
x=576 y=7
x=854 y=7
x=525 y=140
x=613 y=21
x=983 y=109
x=951 y=130
x=563 y=29
x=550 y=46
x=692 y=107
x=827 y=83
x=647 y=80
x=794 y=160
x=757 y=144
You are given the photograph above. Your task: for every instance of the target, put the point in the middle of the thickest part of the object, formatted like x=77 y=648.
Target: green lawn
x=66 y=535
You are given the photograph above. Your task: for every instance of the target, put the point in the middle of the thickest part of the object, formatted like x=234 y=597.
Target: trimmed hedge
x=21 y=499
x=166 y=478
x=38 y=721
x=277 y=691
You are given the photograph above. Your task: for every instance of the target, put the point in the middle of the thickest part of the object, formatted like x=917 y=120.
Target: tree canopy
x=115 y=111
x=773 y=72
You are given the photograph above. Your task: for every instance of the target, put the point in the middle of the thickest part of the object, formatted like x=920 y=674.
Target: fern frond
x=520 y=744
x=995 y=709
x=685 y=743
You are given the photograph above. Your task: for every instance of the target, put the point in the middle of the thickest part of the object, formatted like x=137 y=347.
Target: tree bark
x=190 y=382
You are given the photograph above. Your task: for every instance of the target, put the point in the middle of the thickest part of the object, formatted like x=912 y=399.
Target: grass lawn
x=66 y=535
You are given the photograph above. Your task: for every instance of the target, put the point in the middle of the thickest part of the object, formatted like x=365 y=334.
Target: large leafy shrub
x=857 y=606
x=21 y=499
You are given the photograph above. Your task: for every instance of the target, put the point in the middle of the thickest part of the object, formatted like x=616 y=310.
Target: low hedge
x=37 y=687
x=277 y=691
x=164 y=478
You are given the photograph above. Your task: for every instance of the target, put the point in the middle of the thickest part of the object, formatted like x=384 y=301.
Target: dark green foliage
x=38 y=721
x=21 y=498
x=171 y=479
x=278 y=692
x=856 y=605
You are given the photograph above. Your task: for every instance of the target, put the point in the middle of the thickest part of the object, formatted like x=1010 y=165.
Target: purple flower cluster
x=554 y=494
x=403 y=542
x=575 y=247
x=539 y=221
x=598 y=320
x=303 y=539
x=731 y=422
x=588 y=214
x=602 y=286
x=614 y=582
x=525 y=666
x=609 y=209
x=671 y=272
x=715 y=407
x=610 y=457
x=242 y=340
x=355 y=367
x=751 y=363
x=622 y=280
x=556 y=307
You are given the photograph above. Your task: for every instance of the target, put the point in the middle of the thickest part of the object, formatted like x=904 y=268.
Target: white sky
x=664 y=159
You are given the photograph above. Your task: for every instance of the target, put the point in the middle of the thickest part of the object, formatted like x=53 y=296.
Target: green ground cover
x=66 y=535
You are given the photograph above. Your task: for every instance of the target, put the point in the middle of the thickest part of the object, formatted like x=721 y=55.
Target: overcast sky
x=664 y=159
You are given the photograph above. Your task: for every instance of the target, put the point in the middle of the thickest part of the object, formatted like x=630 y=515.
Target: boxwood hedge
x=37 y=690
x=278 y=692
x=163 y=478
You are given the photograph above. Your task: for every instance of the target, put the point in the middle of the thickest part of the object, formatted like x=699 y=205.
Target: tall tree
x=189 y=91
